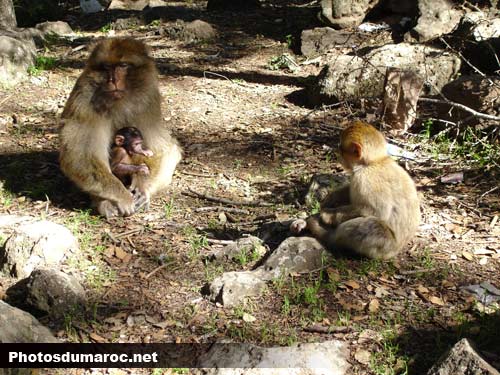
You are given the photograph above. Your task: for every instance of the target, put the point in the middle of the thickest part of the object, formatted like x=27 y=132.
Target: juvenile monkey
x=118 y=87
x=128 y=155
x=378 y=213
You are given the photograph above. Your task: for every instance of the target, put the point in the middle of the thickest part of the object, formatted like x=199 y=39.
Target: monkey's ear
x=119 y=140
x=355 y=150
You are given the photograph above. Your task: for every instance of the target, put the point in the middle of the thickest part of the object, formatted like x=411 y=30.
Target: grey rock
x=354 y=77
x=462 y=359
x=232 y=288
x=57 y=27
x=248 y=247
x=437 y=18
x=50 y=291
x=128 y=4
x=482 y=27
x=345 y=13
x=16 y=55
x=295 y=254
x=17 y=326
x=320 y=40
x=196 y=30
x=33 y=244
x=326 y=358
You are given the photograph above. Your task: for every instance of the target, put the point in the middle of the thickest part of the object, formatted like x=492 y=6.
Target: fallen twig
x=156 y=270
x=317 y=328
x=221 y=208
x=419 y=270
x=461 y=106
x=224 y=200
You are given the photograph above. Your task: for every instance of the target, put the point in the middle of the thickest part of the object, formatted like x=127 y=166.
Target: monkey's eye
x=123 y=65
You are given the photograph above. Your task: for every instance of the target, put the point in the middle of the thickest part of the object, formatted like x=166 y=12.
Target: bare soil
x=248 y=136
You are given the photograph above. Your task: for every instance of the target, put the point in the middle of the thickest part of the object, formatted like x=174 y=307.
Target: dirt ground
x=247 y=135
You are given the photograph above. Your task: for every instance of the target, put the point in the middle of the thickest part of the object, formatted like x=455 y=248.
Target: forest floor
x=247 y=135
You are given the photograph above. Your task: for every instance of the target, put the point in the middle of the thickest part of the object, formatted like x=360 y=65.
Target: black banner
x=102 y=355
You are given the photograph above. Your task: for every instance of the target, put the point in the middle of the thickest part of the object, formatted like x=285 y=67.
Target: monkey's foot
x=106 y=209
x=298 y=226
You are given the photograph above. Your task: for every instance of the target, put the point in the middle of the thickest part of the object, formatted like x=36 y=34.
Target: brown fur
x=378 y=213
x=93 y=113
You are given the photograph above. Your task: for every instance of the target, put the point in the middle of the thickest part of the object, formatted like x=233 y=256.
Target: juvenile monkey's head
x=361 y=144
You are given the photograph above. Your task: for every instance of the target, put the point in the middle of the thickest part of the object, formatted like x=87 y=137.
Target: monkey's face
x=119 y=68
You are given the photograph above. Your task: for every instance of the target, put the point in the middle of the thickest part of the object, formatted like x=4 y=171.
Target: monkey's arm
x=336 y=198
x=336 y=216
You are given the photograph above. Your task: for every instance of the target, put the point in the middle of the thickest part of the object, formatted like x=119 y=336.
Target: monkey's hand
x=143 y=169
x=298 y=226
x=141 y=200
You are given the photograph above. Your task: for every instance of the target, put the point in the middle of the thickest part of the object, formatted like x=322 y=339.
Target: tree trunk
x=7 y=15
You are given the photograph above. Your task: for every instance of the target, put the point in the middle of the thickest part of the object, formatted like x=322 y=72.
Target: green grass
x=42 y=63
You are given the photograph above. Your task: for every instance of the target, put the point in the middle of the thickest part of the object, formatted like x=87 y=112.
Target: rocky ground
x=248 y=135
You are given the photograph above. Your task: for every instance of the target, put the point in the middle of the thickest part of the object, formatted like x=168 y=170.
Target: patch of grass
x=106 y=28
x=168 y=208
x=389 y=360
x=426 y=260
x=474 y=146
x=155 y=23
x=289 y=40
x=283 y=61
x=42 y=63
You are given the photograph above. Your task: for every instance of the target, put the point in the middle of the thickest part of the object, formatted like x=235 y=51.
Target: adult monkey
x=118 y=88
x=378 y=212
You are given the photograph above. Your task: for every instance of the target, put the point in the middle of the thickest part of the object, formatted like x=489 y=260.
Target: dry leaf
x=373 y=306
x=422 y=289
x=248 y=318
x=333 y=274
x=363 y=356
x=467 y=255
x=436 y=300
x=97 y=338
x=483 y=261
x=120 y=253
x=352 y=284
x=483 y=252
x=380 y=291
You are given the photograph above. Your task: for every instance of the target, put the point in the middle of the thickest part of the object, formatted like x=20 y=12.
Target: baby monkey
x=128 y=155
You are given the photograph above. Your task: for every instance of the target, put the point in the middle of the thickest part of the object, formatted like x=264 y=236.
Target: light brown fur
x=378 y=213
x=92 y=115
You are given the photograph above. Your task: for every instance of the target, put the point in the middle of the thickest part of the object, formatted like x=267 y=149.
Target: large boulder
x=321 y=40
x=342 y=14
x=32 y=243
x=294 y=255
x=17 y=326
x=128 y=4
x=49 y=291
x=437 y=18
x=16 y=56
x=462 y=359
x=325 y=358
x=350 y=77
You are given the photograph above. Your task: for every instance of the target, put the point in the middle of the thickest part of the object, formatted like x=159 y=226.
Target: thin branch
x=224 y=209
x=462 y=107
x=316 y=328
x=224 y=200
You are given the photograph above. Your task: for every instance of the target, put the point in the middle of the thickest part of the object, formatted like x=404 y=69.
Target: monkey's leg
x=367 y=236
x=162 y=166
